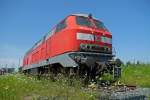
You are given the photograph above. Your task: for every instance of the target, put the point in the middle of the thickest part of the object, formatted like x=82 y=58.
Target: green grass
x=20 y=87
x=138 y=75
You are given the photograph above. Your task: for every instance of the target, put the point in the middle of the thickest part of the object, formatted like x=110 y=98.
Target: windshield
x=99 y=24
x=84 y=21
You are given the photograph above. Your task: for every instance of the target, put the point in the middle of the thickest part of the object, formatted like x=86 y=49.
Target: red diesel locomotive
x=79 y=44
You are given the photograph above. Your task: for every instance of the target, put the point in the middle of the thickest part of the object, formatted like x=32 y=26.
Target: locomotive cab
x=93 y=35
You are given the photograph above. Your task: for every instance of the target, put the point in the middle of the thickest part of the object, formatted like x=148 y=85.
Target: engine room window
x=83 y=21
x=50 y=33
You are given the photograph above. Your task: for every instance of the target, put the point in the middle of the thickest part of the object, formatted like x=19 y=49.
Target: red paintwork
x=63 y=41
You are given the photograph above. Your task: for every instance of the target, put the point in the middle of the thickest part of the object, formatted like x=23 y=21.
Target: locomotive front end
x=94 y=43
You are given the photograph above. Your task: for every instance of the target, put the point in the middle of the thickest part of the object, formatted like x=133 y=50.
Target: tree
x=128 y=63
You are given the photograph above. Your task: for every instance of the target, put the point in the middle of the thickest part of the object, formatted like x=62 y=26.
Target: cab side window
x=62 y=25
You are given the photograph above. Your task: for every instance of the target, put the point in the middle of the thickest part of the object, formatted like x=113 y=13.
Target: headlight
x=85 y=36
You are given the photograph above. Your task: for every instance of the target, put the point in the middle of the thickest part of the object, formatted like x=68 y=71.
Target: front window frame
x=99 y=25
x=83 y=21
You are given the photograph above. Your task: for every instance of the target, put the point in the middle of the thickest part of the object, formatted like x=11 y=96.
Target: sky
x=23 y=22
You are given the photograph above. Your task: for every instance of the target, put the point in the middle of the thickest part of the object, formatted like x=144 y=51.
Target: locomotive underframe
x=85 y=64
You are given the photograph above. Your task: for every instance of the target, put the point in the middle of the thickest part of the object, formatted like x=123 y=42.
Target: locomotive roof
x=83 y=15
